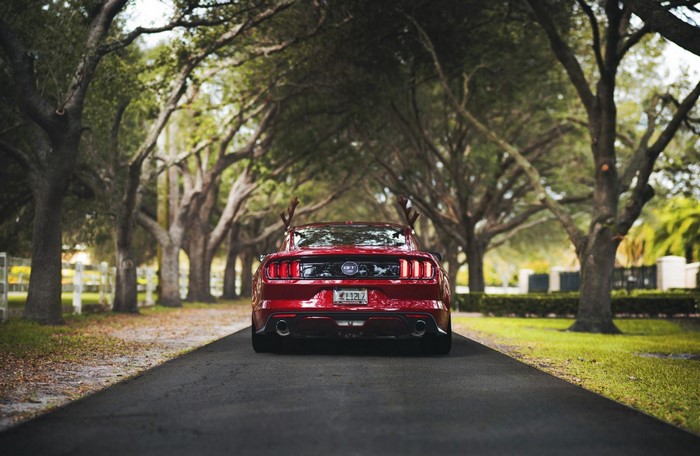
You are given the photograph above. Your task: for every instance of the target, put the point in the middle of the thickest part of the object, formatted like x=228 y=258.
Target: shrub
x=470 y=302
x=566 y=304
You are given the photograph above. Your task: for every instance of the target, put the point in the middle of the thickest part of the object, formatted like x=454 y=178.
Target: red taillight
x=284 y=270
x=296 y=269
x=415 y=269
x=404 y=272
x=272 y=270
x=427 y=269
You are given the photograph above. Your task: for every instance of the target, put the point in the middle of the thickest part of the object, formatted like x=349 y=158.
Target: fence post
x=555 y=278
x=4 y=272
x=183 y=281
x=103 y=283
x=149 y=286
x=670 y=272
x=78 y=288
x=112 y=286
x=524 y=280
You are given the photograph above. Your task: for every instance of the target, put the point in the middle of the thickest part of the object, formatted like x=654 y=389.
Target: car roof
x=350 y=223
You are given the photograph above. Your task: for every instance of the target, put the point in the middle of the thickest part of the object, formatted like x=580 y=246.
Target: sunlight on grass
x=653 y=366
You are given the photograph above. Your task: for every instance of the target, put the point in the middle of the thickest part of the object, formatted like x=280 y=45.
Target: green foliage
x=652 y=366
x=566 y=304
x=670 y=227
x=468 y=302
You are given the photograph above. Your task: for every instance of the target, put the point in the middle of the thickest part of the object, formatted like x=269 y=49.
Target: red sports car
x=351 y=280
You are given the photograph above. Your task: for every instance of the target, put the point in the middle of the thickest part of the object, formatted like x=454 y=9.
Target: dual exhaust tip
x=282 y=328
x=419 y=328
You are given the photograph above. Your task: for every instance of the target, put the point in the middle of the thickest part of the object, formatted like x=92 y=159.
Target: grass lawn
x=654 y=366
x=81 y=334
x=17 y=300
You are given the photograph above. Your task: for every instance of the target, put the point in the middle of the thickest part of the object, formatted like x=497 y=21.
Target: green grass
x=25 y=339
x=17 y=300
x=28 y=340
x=620 y=367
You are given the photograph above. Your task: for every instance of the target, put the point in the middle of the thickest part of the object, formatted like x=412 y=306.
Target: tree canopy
x=492 y=118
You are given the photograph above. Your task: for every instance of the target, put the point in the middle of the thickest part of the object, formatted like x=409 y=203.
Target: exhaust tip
x=419 y=328
x=282 y=328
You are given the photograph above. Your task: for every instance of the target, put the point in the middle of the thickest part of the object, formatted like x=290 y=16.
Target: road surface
x=345 y=398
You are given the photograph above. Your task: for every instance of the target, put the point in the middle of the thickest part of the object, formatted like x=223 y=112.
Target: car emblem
x=349 y=268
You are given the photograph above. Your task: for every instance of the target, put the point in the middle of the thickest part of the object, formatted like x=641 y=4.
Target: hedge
x=566 y=304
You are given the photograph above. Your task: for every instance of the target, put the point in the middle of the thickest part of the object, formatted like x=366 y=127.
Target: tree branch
x=576 y=235
x=642 y=191
x=22 y=65
x=564 y=54
x=660 y=19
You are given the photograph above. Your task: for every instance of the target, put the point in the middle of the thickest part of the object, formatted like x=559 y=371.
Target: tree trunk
x=475 y=263
x=125 y=292
x=246 y=273
x=597 y=266
x=475 y=250
x=199 y=289
x=44 y=296
x=170 y=276
x=452 y=269
x=230 y=271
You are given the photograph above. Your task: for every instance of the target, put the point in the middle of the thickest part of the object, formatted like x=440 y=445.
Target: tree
x=56 y=118
x=596 y=249
x=609 y=223
x=56 y=121
x=473 y=192
x=238 y=21
x=659 y=17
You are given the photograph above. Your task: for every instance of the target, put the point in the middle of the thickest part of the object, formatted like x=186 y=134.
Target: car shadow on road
x=461 y=348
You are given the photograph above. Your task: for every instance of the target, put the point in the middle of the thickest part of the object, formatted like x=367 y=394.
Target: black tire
x=437 y=344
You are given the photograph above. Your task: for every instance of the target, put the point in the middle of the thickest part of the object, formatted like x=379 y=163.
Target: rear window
x=337 y=235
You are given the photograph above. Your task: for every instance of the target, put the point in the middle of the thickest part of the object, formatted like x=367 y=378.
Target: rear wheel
x=437 y=344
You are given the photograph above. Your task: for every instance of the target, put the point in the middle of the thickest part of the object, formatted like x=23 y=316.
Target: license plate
x=350 y=296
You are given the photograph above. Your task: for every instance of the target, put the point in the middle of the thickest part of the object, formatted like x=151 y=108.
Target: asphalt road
x=344 y=398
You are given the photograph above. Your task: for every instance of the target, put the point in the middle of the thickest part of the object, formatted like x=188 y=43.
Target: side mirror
x=438 y=256
x=263 y=256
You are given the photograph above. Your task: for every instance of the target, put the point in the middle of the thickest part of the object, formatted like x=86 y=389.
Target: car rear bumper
x=342 y=324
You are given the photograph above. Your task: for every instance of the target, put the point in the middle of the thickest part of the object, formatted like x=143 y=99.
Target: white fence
x=85 y=281
x=93 y=283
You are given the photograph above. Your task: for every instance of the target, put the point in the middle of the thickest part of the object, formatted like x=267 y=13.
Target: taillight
x=404 y=271
x=415 y=269
x=284 y=269
x=296 y=269
x=272 y=270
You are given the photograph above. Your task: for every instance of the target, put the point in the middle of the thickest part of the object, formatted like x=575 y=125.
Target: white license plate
x=350 y=296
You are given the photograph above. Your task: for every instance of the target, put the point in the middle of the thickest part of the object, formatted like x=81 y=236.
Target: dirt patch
x=35 y=385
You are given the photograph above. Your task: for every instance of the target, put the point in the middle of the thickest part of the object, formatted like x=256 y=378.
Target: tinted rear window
x=364 y=235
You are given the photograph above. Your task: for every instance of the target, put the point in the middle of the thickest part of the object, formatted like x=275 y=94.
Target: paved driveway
x=342 y=398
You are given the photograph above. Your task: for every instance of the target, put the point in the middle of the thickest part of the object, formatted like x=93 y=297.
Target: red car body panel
x=304 y=287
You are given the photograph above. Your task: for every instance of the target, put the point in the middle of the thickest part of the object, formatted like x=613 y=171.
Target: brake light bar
x=284 y=269
x=415 y=269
